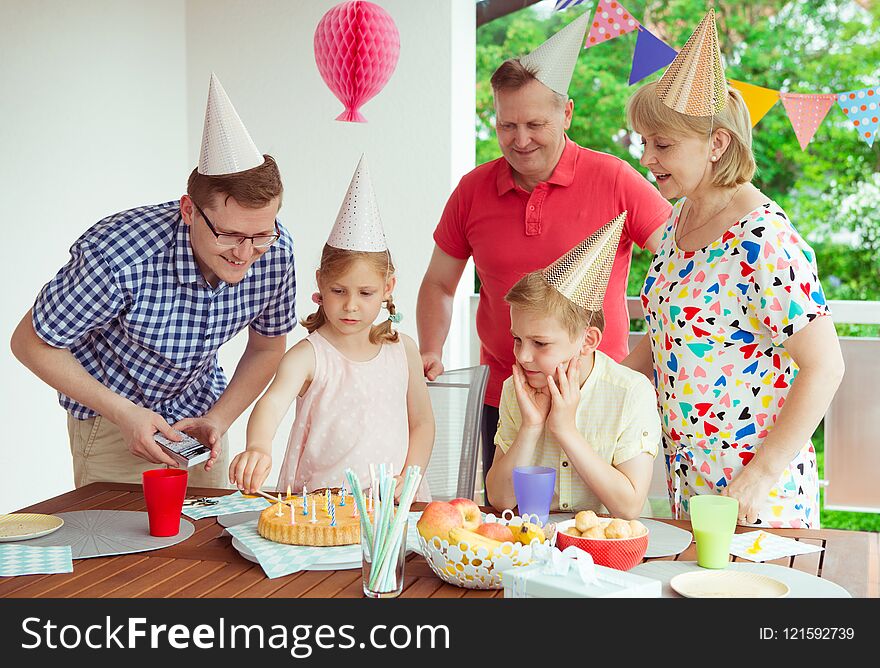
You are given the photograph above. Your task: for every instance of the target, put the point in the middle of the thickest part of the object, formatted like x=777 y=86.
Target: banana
x=473 y=539
x=528 y=532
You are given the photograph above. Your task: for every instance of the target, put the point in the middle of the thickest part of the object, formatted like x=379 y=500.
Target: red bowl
x=619 y=553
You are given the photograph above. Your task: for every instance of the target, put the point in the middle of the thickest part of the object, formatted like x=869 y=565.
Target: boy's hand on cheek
x=534 y=405
x=565 y=394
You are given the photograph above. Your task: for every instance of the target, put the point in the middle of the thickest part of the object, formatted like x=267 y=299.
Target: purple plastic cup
x=533 y=486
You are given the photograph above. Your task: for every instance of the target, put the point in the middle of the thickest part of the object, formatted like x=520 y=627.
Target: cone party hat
x=553 y=61
x=581 y=275
x=358 y=226
x=694 y=82
x=227 y=148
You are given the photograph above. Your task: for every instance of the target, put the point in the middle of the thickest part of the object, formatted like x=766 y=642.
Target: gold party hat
x=581 y=275
x=694 y=82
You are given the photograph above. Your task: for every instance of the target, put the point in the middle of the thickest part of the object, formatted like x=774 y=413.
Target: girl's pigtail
x=384 y=332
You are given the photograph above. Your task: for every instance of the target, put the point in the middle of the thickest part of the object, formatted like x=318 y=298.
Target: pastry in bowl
x=612 y=542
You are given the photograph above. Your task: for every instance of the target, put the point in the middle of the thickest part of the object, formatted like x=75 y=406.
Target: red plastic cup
x=164 y=491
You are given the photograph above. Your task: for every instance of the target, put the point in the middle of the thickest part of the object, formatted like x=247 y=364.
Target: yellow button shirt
x=617 y=416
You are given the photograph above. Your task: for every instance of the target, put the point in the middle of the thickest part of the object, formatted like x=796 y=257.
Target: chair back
x=457 y=400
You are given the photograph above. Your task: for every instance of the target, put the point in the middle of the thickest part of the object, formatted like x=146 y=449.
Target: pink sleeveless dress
x=353 y=415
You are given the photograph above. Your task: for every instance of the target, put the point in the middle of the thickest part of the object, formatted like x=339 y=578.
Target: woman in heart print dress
x=740 y=344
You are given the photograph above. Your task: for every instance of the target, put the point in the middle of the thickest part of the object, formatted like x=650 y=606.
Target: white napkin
x=763 y=546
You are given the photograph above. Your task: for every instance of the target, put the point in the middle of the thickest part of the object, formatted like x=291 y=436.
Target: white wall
x=101 y=108
x=92 y=121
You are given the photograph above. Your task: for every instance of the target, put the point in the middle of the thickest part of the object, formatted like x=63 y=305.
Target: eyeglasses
x=232 y=240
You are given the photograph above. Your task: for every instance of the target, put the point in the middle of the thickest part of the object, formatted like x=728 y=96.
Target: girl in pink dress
x=360 y=393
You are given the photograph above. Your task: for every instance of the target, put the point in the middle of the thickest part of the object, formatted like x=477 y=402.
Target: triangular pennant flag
x=610 y=20
x=227 y=148
x=806 y=112
x=553 y=61
x=860 y=106
x=651 y=54
x=581 y=275
x=358 y=226
x=565 y=4
x=694 y=83
x=759 y=100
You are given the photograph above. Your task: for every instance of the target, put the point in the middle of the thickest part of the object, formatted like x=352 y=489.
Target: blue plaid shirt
x=134 y=309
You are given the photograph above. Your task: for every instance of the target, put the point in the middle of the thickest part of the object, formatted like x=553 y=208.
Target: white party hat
x=227 y=148
x=581 y=275
x=553 y=62
x=358 y=226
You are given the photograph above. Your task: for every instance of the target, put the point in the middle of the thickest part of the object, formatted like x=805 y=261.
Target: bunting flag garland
x=610 y=20
x=565 y=4
x=651 y=54
x=806 y=112
x=758 y=99
x=860 y=106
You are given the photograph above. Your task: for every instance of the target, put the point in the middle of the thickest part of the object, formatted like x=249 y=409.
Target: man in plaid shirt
x=128 y=330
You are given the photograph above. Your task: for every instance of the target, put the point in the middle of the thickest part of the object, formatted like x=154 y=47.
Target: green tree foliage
x=831 y=190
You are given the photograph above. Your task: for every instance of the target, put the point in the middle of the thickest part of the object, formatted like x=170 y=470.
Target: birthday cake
x=314 y=527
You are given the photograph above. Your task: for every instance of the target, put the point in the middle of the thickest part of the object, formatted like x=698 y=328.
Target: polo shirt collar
x=563 y=173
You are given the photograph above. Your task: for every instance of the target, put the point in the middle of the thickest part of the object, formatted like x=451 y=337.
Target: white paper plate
x=24 y=526
x=728 y=584
x=323 y=566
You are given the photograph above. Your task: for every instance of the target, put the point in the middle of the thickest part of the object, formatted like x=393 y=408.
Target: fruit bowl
x=619 y=553
x=477 y=567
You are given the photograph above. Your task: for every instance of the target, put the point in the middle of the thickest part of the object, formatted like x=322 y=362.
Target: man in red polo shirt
x=521 y=212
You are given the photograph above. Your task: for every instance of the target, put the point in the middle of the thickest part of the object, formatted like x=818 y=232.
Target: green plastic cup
x=713 y=519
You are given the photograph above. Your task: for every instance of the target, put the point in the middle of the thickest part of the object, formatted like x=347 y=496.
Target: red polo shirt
x=511 y=232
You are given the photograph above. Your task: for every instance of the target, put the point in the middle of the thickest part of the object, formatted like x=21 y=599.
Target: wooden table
x=207 y=566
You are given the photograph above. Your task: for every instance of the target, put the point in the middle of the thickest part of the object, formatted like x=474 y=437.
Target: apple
x=437 y=519
x=495 y=531
x=470 y=513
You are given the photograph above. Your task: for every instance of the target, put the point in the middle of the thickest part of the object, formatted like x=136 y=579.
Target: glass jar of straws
x=384 y=530
x=389 y=584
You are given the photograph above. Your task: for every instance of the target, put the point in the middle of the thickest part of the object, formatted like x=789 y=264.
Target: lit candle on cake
x=305 y=501
x=278 y=510
x=292 y=514
x=314 y=519
x=332 y=514
x=287 y=498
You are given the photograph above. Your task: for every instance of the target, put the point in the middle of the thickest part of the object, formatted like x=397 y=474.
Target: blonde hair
x=334 y=263
x=646 y=114
x=534 y=294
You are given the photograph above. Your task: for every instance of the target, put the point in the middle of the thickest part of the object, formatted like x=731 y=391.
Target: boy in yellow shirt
x=569 y=406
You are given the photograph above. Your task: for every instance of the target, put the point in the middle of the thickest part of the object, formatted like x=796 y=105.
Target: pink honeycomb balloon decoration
x=356 y=49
